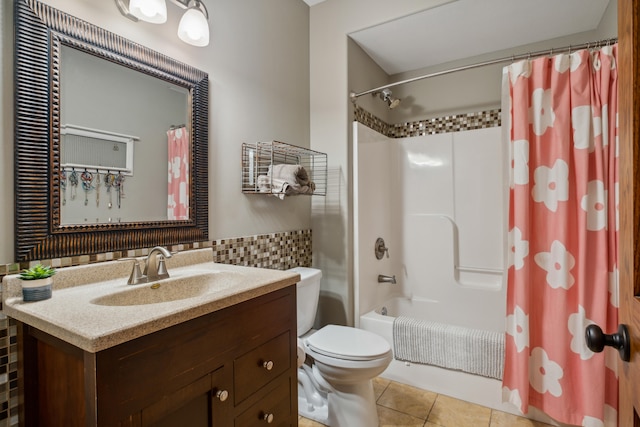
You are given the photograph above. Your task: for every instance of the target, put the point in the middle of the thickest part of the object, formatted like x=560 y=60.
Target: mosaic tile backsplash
x=445 y=124
x=280 y=251
x=8 y=373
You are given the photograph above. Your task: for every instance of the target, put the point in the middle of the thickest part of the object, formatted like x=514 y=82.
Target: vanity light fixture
x=153 y=11
x=193 y=27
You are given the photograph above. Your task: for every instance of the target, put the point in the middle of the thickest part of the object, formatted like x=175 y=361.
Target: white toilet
x=334 y=385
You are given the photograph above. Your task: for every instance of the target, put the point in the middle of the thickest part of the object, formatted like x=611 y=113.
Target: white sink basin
x=192 y=285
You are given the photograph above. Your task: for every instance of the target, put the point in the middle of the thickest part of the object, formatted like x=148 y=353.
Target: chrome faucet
x=387 y=279
x=154 y=267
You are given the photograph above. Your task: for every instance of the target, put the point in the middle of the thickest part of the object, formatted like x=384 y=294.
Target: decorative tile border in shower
x=369 y=120
x=446 y=124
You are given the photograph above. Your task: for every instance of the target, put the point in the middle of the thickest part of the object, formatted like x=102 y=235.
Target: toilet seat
x=346 y=343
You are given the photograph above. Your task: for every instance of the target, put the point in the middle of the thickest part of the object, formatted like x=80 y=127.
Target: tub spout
x=387 y=279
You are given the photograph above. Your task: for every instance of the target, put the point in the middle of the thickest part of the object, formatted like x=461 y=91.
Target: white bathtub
x=471 y=388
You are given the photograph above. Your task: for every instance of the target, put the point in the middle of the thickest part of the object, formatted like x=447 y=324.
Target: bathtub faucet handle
x=387 y=279
x=381 y=248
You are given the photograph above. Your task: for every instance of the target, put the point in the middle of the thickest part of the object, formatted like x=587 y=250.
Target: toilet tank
x=307 y=294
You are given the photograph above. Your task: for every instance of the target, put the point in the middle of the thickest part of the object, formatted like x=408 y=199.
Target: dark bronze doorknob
x=597 y=340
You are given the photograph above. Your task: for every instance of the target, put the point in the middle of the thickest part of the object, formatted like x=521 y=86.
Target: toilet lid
x=343 y=342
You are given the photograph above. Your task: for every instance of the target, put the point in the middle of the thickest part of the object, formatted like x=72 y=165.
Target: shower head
x=393 y=102
x=386 y=96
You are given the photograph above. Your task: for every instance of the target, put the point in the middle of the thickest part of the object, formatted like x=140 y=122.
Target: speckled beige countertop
x=72 y=314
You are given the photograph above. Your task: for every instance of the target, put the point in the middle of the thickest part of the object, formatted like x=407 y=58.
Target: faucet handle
x=162 y=268
x=136 y=276
x=380 y=248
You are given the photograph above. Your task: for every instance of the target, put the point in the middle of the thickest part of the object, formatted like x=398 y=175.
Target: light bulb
x=194 y=28
x=154 y=11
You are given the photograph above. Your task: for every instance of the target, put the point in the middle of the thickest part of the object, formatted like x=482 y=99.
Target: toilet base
x=347 y=405
x=355 y=403
x=315 y=413
x=312 y=401
x=341 y=380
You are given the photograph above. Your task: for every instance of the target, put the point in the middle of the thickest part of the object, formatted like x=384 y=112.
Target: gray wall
x=6 y=132
x=365 y=74
x=258 y=66
x=332 y=219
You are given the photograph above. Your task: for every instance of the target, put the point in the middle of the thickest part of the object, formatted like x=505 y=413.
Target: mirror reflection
x=124 y=143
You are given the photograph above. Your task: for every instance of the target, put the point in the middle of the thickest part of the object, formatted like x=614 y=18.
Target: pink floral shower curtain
x=178 y=190
x=563 y=224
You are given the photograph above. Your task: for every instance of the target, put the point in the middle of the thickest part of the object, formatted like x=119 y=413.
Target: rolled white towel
x=279 y=188
x=282 y=180
x=264 y=184
x=293 y=174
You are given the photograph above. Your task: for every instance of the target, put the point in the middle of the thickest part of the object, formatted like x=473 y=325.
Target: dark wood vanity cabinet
x=233 y=367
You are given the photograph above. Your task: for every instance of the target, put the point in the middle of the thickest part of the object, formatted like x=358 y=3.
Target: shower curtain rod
x=354 y=96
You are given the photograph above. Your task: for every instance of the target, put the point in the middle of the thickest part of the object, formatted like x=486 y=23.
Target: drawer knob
x=268 y=365
x=222 y=395
x=268 y=418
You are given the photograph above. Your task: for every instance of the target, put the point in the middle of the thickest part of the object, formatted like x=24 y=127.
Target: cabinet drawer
x=259 y=366
x=273 y=409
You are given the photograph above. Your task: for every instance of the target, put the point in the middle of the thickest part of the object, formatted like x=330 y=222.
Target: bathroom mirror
x=114 y=142
x=45 y=38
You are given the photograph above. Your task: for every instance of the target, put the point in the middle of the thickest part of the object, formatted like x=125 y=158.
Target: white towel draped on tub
x=470 y=350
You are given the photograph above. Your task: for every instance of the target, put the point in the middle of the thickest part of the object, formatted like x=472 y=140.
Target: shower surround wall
x=444 y=168
x=436 y=191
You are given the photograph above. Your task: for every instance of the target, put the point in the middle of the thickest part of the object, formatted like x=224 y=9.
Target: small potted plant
x=36 y=282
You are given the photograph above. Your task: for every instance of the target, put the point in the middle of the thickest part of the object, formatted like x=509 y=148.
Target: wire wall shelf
x=279 y=169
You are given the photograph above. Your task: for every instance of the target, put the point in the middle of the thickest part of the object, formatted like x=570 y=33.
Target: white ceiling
x=466 y=28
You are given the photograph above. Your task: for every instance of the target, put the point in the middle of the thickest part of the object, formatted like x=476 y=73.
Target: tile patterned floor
x=401 y=405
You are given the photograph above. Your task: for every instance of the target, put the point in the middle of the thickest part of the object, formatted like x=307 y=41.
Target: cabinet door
x=188 y=406
x=206 y=402
x=194 y=413
x=221 y=397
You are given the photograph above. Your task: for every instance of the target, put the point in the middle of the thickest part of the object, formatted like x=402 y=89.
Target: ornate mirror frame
x=40 y=32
